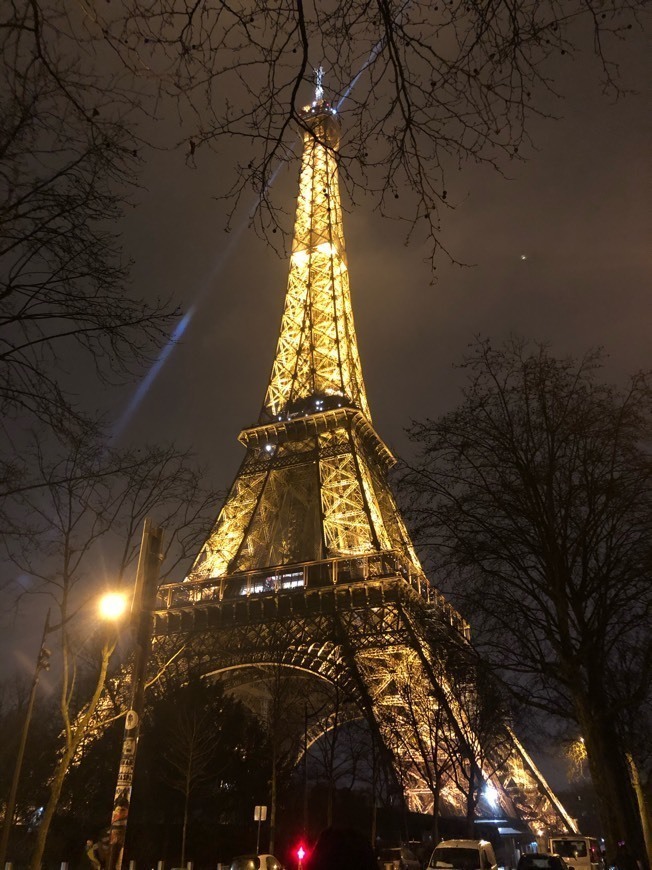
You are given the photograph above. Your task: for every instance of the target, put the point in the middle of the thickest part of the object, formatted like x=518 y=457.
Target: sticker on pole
x=132 y=720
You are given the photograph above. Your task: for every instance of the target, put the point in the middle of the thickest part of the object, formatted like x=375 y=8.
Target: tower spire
x=317 y=352
x=319 y=80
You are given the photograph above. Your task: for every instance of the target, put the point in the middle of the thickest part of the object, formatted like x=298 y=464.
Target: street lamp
x=144 y=602
x=110 y=607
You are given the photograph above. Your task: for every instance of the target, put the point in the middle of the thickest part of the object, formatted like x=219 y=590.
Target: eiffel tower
x=309 y=565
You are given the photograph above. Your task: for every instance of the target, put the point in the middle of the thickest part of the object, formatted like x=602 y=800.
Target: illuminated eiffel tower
x=309 y=564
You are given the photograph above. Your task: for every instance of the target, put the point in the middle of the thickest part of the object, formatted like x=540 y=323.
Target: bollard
x=160 y=865
x=9 y=866
x=64 y=865
x=132 y=865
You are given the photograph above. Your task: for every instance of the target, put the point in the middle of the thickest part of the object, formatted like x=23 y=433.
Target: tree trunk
x=329 y=804
x=62 y=767
x=435 y=814
x=48 y=813
x=617 y=803
x=374 y=788
x=272 y=813
x=184 y=831
x=331 y=777
x=642 y=807
x=470 y=802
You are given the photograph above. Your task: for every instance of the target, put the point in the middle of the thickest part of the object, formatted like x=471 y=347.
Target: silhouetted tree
x=192 y=736
x=534 y=500
x=421 y=736
x=39 y=751
x=283 y=720
x=483 y=742
x=88 y=509
x=228 y=775
x=423 y=87
x=68 y=159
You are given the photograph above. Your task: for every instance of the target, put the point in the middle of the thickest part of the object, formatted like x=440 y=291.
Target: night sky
x=578 y=210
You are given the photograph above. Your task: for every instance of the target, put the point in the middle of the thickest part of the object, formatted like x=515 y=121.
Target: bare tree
x=192 y=740
x=421 y=734
x=337 y=754
x=534 y=499
x=423 y=86
x=284 y=724
x=483 y=742
x=84 y=534
x=277 y=694
x=575 y=752
x=67 y=162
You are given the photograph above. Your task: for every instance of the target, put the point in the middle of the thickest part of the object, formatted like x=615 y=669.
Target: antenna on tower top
x=319 y=78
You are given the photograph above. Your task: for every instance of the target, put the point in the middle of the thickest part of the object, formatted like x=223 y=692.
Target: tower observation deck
x=309 y=564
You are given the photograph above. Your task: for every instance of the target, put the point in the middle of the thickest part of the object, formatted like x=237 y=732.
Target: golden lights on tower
x=311 y=508
x=317 y=352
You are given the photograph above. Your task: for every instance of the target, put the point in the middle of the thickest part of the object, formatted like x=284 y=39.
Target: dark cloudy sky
x=578 y=208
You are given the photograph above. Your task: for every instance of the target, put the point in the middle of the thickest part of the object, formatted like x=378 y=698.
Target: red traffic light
x=301 y=853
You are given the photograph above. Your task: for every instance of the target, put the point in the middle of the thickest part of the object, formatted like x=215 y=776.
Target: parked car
x=398 y=858
x=256 y=862
x=580 y=852
x=541 y=861
x=463 y=855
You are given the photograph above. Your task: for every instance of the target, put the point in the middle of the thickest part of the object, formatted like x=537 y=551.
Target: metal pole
x=142 y=619
x=305 y=771
x=642 y=808
x=42 y=663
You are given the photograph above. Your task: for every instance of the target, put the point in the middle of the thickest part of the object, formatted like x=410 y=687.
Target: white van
x=580 y=853
x=463 y=855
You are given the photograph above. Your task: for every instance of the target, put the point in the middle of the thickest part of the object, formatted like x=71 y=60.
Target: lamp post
x=142 y=620
x=110 y=608
x=42 y=664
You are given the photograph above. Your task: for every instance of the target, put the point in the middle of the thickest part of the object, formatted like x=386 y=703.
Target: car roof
x=262 y=858
x=463 y=844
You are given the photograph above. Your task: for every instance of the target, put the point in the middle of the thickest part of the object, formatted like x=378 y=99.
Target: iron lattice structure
x=309 y=564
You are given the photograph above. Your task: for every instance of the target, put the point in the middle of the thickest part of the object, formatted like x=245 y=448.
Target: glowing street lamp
x=112 y=606
x=143 y=623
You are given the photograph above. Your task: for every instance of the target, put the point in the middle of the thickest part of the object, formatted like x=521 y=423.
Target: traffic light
x=301 y=854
